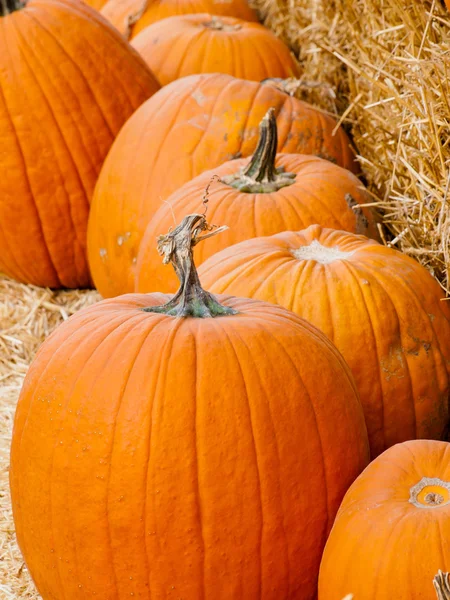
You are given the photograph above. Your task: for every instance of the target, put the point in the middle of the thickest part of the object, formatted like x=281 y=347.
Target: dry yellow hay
x=27 y=315
x=388 y=63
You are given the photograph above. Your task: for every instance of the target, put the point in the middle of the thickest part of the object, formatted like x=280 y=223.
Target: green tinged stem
x=176 y=247
x=261 y=175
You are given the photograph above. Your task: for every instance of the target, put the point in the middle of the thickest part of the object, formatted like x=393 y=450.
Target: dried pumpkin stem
x=442 y=585
x=9 y=6
x=176 y=247
x=261 y=175
x=218 y=25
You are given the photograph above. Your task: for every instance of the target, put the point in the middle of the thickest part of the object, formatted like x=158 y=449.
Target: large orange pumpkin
x=132 y=16
x=189 y=44
x=392 y=533
x=68 y=83
x=187 y=456
x=193 y=124
x=254 y=198
x=382 y=309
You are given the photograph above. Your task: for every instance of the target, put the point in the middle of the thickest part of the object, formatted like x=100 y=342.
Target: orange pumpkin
x=191 y=455
x=193 y=124
x=97 y=4
x=68 y=83
x=189 y=44
x=132 y=16
x=392 y=533
x=382 y=309
x=254 y=198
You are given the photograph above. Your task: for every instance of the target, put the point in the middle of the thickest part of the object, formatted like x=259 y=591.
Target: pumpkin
x=68 y=83
x=392 y=531
x=189 y=44
x=132 y=16
x=192 y=125
x=171 y=457
x=255 y=197
x=382 y=309
x=97 y=4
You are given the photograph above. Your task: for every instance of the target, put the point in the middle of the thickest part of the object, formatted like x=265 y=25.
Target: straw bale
x=393 y=61
x=28 y=315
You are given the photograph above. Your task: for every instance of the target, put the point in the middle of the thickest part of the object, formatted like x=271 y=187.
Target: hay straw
x=388 y=64
x=27 y=315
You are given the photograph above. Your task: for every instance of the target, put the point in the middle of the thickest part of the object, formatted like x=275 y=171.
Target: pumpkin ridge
x=313 y=409
x=204 y=32
x=78 y=68
x=61 y=97
x=32 y=203
x=349 y=267
x=197 y=467
x=56 y=356
x=108 y=29
x=111 y=449
x=211 y=113
x=411 y=291
x=77 y=247
x=252 y=101
x=252 y=430
x=155 y=386
x=158 y=152
x=403 y=282
x=131 y=329
x=266 y=396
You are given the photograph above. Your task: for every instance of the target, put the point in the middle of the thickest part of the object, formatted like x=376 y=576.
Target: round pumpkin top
x=201 y=43
x=392 y=532
x=132 y=16
x=192 y=125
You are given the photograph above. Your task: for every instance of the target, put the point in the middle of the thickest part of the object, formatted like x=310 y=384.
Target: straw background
x=382 y=67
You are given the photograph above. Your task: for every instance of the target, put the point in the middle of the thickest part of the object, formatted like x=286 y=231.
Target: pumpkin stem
x=261 y=175
x=442 y=585
x=9 y=6
x=219 y=25
x=176 y=247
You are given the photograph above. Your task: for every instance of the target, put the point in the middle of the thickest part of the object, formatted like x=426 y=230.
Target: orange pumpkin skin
x=382 y=545
x=318 y=195
x=119 y=11
x=189 y=44
x=381 y=309
x=192 y=125
x=172 y=458
x=68 y=82
x=97 y=4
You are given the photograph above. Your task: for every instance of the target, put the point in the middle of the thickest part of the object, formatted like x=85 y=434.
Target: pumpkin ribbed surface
x=193 y=124
x=383 y=310
x=392 y=532
x=119 y=11
x=157 y=457
x=68 y=82
x=97 y=4
x=190 y=44
x=320 y=193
